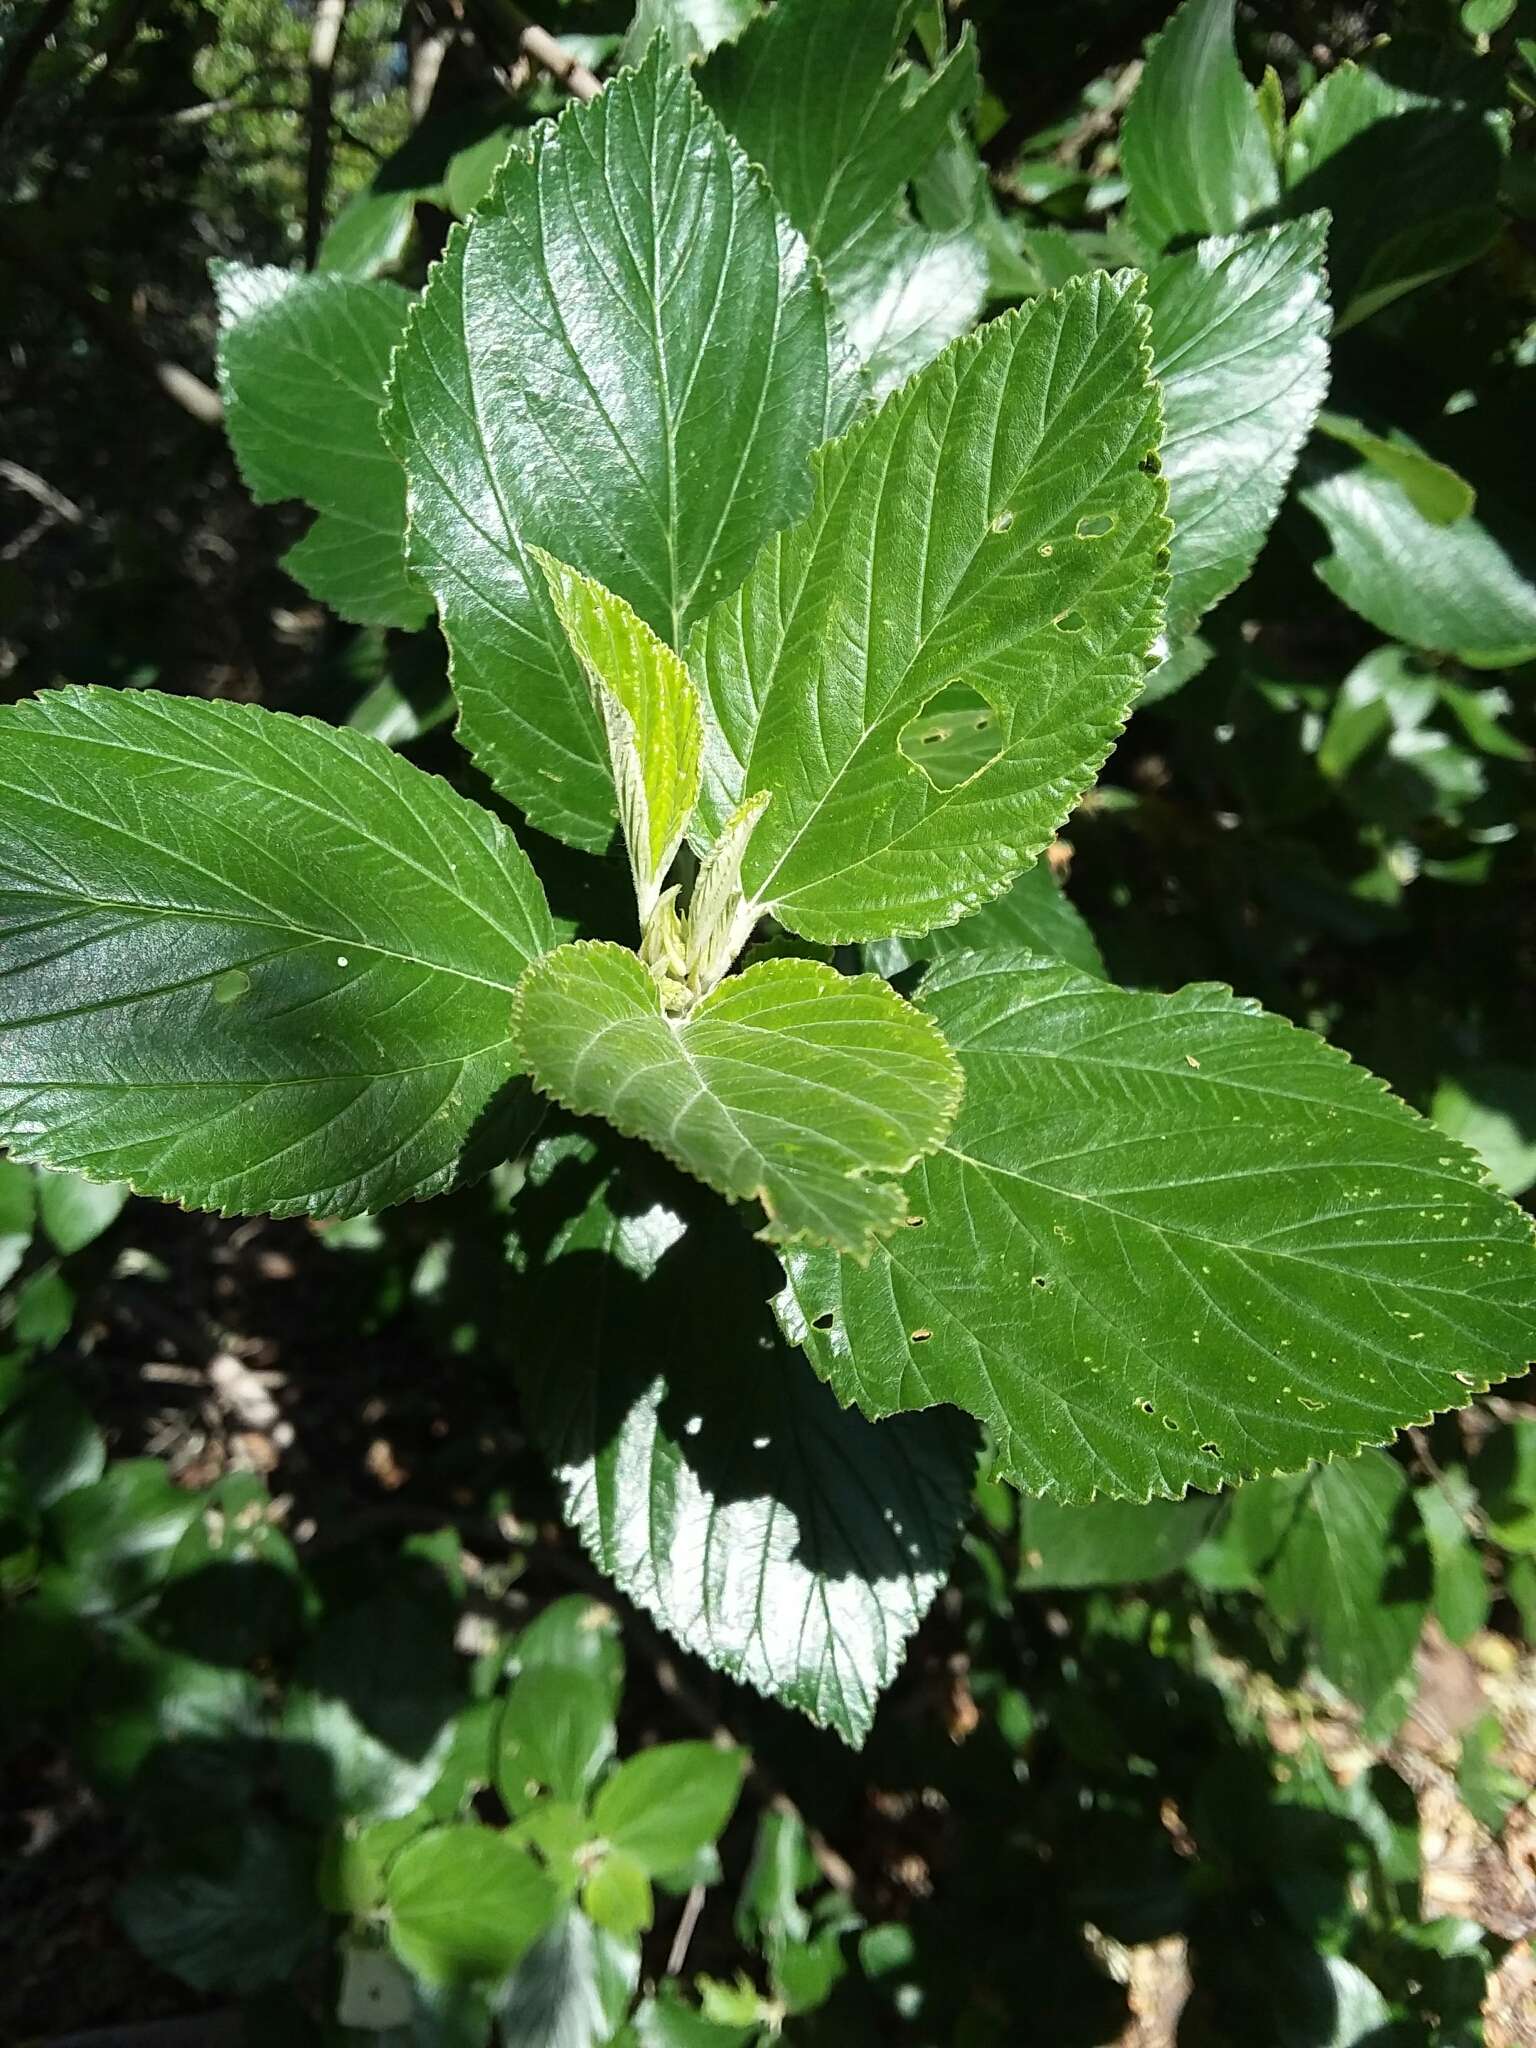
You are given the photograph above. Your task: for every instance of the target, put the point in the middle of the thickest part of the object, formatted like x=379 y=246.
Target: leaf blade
x=1041 y=596
x=297 y=954
x=1112 y=1147
x=1194 y=148
x=302 y=366
x=789 y=1084
x=822 y=98
x=1239 y=332
x=657 y=453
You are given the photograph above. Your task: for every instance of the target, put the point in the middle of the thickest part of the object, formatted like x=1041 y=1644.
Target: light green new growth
x=790 y=1083
x=650 y=714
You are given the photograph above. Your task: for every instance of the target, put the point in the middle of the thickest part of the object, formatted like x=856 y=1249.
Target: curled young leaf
x=790 y=1084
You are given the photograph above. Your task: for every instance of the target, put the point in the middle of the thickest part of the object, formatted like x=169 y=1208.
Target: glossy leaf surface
x=1239 y=332
x=790 y=1084
x=822 y=98
x=1039 y=595
x=626 y=358
x=781 y=1537
x=251 y=962
x=1213 y=1247
x=303 y=362
x=1195 y=150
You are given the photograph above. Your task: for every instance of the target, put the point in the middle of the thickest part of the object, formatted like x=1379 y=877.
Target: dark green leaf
x=1213 y=1247
x=655 y=453
x=1195 y=149
x=1333 y=1576
x=784 y=1539
x=303 y=363
x=1035 y=916
x=1239 y=329
x=1040 y=595
x=1110 y=1543
x=821 y=97
x=253 y=962
x=1406 y=159
x=114 y=1538
x=235 y=1920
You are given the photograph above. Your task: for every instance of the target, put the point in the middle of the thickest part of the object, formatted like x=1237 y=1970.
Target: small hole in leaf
x=916 y=1222
x=1151 y=464
x=824 y=1321
x=1163 y=559
x=946 y=738
x=1040 y=1281
x=1046 y=548
x=1002 y=522
x=921 y=1336
x=1071 y=622
x=231 y=985
x=1211 y=1450
x=1095 y=525
x=1169 y=1423
x=1145 y=1407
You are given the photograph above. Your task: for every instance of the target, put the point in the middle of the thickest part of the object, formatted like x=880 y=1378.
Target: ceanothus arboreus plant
x=838 y=634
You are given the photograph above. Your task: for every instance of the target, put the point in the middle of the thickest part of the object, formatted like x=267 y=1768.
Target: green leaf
x=465 y=1902
x=1334 y=1575
x=789 y=1084
x=369 y=1719
x=1389 y=690
x=572 y=1988
x=1239 y=334
x=575 y=1634
x=1039 y=593
x=822 y=98
x=1461 y=589
x=18 y=1209
x=1491 y=1109
x=56 y=1448
x=114 y=1538
x=1408 y=165
x=1035 y=916
x=784 y=1539
x=692 y=28
x=302 y=365
x=1194 y=146
x=663 y=1805
x=1111 y=1543
x=650 y=713
x=234 y=1920
x=1461 y=1597
x=1212 y=1246
x=253 y=962
x=369 y=233
x=1433 y=489
x=557 y=1730
x=618 y=1896
x=74 y=1212
x=665 y=2021
x=664 y=360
